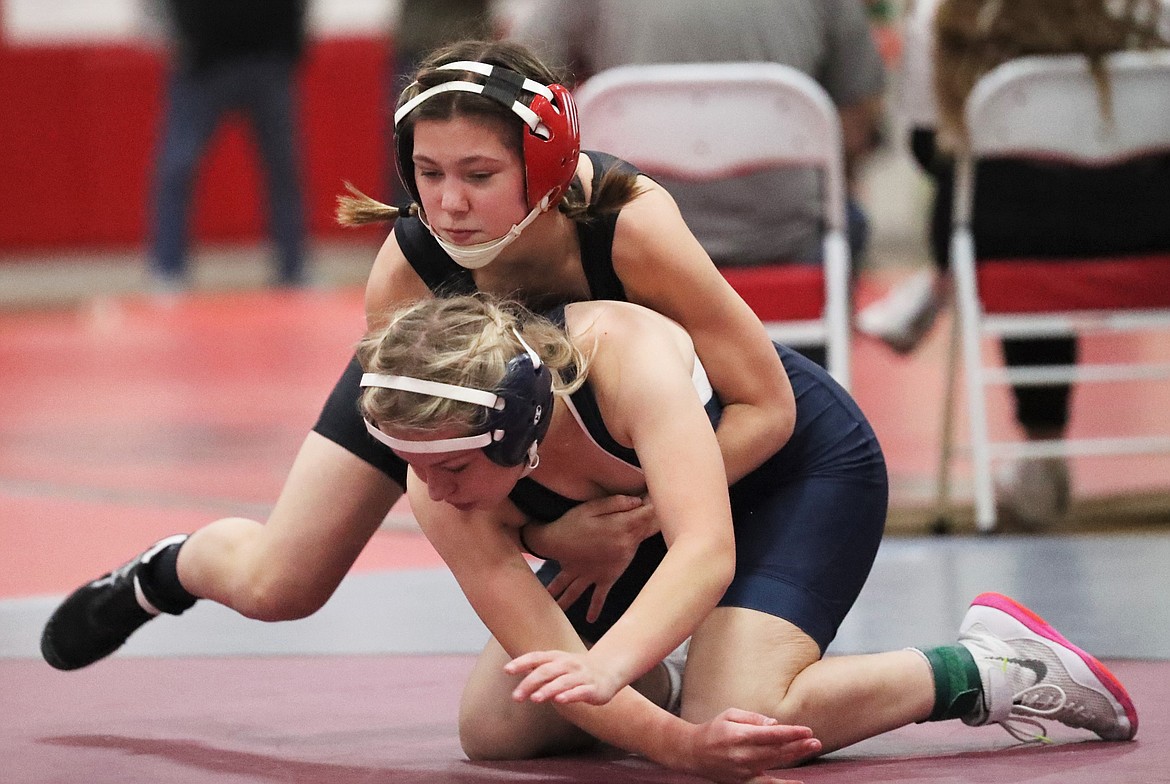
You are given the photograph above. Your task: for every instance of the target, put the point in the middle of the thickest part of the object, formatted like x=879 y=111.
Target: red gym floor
x=127 y=419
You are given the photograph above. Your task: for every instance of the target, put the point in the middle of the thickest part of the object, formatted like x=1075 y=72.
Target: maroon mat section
x=351 y=720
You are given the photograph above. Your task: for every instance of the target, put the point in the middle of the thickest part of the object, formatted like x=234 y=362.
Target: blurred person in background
x=1022 y=209
x=421 y=27
x=230 y=56
x=764 y=217
x=425 y=25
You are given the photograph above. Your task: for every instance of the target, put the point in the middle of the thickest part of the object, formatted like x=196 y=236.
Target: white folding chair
x=704 y=121
x=1047 y=108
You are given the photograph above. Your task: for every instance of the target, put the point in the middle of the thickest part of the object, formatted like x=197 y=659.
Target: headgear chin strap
x=481 y=254
x=519 y=412
x=549 y=148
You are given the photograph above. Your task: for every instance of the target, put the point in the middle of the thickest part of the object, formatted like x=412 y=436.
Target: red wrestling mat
x=351 y=720
x=64 y=542
x=128 y=419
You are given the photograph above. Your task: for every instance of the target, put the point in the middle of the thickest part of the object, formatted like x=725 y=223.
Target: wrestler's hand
x=561 y=677
x=737 y=746
x=594 y=543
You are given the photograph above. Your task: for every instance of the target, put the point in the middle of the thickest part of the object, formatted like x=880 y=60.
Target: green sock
x=958 y=686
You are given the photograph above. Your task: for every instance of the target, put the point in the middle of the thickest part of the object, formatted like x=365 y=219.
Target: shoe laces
x=1042 y=699
x=115 y=575
x=126 y=572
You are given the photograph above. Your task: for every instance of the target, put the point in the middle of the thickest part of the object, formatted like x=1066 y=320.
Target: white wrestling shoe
x=1030 y=671
x=902 y=318
x=1034 y=493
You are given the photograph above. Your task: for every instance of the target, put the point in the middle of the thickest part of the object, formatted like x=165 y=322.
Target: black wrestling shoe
x=100 y=616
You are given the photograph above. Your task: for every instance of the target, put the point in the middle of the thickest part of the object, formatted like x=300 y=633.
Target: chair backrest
x=1049 y=107
x=709 y=120
x=706 y=121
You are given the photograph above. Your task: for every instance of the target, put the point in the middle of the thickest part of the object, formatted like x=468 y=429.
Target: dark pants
x=262 y=89
x=1026 y=209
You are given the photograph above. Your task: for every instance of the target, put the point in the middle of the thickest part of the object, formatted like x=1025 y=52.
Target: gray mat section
x=1104 y=592
x=415 y=612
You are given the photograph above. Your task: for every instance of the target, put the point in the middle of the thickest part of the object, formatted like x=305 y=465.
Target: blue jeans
x=262 y=88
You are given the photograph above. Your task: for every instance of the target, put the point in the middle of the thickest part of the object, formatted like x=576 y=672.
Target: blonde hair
x=615 y=190
x=466 y=341
x=974 y=36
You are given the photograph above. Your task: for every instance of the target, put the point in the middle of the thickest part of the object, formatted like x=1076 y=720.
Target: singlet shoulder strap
x=596 y=236
x=603 y=162
x=583 y=404
x=438 y=270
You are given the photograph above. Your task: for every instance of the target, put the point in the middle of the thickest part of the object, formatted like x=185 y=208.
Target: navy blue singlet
x=807 y=522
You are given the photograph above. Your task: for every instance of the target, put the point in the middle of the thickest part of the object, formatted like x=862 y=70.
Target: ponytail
x=358 y=209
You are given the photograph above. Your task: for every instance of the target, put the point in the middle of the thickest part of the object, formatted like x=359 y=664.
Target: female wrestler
x=506 y=419
x=488 y=147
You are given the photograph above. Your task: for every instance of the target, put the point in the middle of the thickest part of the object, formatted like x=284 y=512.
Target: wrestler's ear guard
x=519 y=411
x=551 y=143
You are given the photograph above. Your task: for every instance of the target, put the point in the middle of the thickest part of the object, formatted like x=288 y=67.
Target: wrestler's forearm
x=631 y=722
x=748 y=435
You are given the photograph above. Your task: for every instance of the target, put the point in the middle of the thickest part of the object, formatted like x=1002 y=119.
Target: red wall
x=77 y=133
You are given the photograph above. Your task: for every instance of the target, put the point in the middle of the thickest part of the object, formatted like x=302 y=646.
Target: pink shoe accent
x=1041 y=627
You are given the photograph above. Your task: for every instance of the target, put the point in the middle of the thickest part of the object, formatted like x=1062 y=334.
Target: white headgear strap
x=529 y=117
x=421 y=386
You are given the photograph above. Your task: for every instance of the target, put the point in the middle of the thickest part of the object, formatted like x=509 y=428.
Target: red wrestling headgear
x=550 y=146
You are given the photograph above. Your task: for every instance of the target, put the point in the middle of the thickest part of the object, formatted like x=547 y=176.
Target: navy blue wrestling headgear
x=519 y=411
